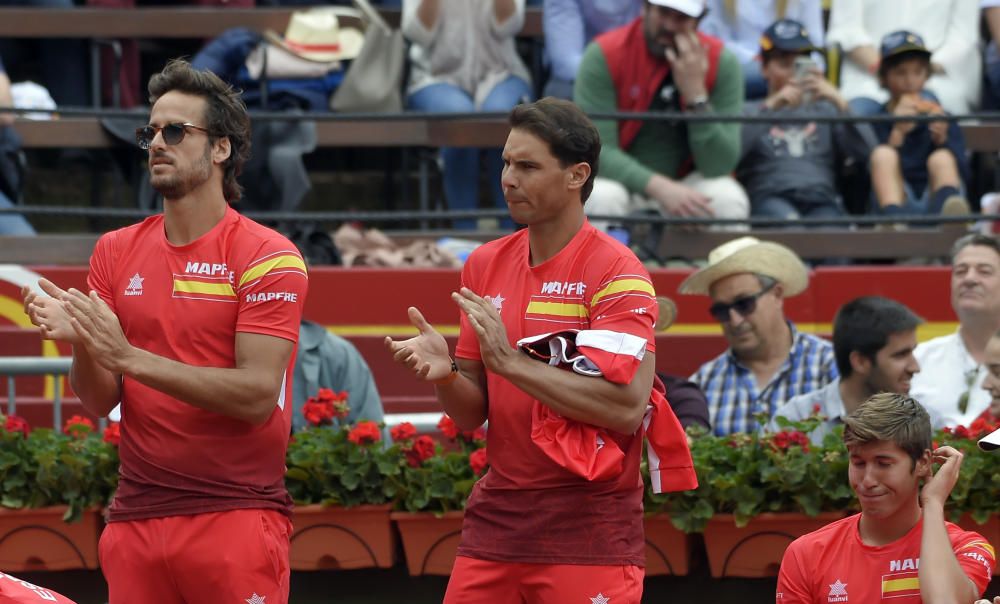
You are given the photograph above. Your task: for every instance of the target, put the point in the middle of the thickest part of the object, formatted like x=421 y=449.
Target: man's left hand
x=494 y=348
x=818 y=86
x=939 y=132
x=939 y=485
x=98 y=329
x=689 y=64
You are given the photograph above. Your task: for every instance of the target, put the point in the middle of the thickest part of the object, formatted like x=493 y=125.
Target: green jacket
x=662 y=147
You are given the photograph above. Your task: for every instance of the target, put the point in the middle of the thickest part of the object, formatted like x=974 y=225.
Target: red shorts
x=216 y=557
x=476 y=581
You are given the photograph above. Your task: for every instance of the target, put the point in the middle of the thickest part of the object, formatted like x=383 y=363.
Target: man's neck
x=975 y=332
x=773 y=351
x=188 y=218
x=878 y=532
x=853 y=392
x=547 y=239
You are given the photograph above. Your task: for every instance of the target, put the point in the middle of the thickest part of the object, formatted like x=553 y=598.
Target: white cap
x=691 y=8
x=990 y=441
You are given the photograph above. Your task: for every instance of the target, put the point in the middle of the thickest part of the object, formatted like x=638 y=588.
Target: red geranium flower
x=404 y=431
x=781 y=441
x=337 y=401
x=447 y=427
x=423 y=448
x=318 y=412
x=78 y=426
x=365 y=432
x=113 y=433
x=478 y=461
x=477 y=434
x=16 y=423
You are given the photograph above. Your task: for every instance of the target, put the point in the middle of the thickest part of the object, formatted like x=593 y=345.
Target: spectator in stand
x=463 y=60
x=900 y=545
x=62 y=62
x=790 y=169
x=569 y=26
x=738 y=24
x=873 y=342
x=955 y=386
x=991 y=57
x=951 y=28
x=917 y=168
x=659 y=62
x=10 y=224
x=768 y=361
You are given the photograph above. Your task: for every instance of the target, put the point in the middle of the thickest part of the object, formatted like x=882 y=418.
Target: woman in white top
x=948 y=27
x=463 y=59
x=740 y=23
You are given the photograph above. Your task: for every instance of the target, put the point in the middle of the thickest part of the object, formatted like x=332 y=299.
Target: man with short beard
x=954 y=389
x=659 y=62
x=191 y=321
x=768 y=361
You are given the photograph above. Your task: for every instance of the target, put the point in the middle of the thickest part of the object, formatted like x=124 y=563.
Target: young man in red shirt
x=900 y=546
x=191 y=322
x=536 y=531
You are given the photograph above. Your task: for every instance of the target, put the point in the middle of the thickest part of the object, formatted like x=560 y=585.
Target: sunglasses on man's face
x=173 y=134
x=744 y=306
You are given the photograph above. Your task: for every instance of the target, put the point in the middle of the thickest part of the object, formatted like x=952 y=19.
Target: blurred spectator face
x=894 y=365
x=175 y=170
x=975 y=281
x=991 y=384
x=661 y=24
x=535 y=184
x=906 y=76
x=778 y=68
x=763 y=320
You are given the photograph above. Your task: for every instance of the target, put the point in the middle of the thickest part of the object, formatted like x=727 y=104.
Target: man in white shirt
x=954 y=388
x=873 y=342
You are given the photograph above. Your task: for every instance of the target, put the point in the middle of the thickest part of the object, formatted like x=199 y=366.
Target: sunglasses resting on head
x=173 y=133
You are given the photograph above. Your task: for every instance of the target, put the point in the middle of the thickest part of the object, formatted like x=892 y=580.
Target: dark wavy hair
x=225 y=114
x=571 y=136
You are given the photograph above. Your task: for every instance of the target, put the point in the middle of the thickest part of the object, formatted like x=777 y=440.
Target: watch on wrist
x=451 y=377
x=698 y=104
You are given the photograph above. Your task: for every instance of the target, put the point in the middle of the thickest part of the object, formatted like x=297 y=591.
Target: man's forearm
x=865 y=57
x=941 y=578
x=465 y=398
x=249 y=394
x=99 y=390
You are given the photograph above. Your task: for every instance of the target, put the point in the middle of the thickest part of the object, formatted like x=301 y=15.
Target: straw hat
x=750 y=255
x=667 y=313
x=315 y=35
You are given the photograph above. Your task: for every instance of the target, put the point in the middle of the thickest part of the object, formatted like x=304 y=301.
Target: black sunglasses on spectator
x=173 y=134
x=744 y=306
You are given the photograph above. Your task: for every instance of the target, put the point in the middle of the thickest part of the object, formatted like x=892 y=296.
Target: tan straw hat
x=316 y=35
x=667 y=313
x=750 y=255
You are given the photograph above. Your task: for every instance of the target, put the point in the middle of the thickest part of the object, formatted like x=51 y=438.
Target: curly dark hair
x=225 y=114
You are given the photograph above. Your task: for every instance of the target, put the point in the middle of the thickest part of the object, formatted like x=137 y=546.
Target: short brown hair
x=571 y=136
x=890 y=417
x=974 y=239
x=225 y=114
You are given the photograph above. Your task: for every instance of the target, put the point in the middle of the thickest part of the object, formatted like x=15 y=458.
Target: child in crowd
x=920 y=168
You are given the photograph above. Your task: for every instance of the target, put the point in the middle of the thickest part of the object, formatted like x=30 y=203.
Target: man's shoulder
x=816 y=342
x=801 y=406
x=126 y=237
x=835 y=534
x=935 y=345
x=712 y=367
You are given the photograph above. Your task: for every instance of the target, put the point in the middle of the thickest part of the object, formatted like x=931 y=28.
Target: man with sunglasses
x=873 y=341
x=191 y=322
x=768 y=361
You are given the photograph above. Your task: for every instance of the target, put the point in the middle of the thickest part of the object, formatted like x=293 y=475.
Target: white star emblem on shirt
x=599 y=599
x=135 y=282
x=497 y=302
x=255 y=599
x=838 y=588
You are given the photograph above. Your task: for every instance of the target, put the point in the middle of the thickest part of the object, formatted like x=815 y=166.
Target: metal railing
x=13 y=367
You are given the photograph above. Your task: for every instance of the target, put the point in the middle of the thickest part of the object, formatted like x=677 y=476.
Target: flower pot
x=668 y=550
x=990 y=529
x=39 y=539
x=755 y=550
x=429 y=541
x=331 y=538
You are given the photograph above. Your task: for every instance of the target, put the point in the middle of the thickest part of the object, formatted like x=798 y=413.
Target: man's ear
x=578 y=175
x=924 y=468
x=221 y=150
x=860 y=364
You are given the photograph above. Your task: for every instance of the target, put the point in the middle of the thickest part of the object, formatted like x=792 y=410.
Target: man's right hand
x=48 y=313
x=425 y=354
x=907 y=105
x=790 y=95
x=677 y=199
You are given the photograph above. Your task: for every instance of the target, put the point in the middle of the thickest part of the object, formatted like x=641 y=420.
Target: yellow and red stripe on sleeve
x=273 y=264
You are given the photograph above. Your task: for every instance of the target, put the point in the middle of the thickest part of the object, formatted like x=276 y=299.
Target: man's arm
x=248 y=391
x=941 y=577
x=793 y=585
x=592 y=400
x=715 y=146
x=6 y=98
x=594 y=91
x=992 y=16
x=99 y=390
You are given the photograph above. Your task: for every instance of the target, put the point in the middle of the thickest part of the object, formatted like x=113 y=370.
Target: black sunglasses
x=743 y=306
x=173 y=134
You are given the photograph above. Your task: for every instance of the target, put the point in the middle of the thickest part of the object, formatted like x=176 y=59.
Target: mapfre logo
x=564 y=288
x=273 y=297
